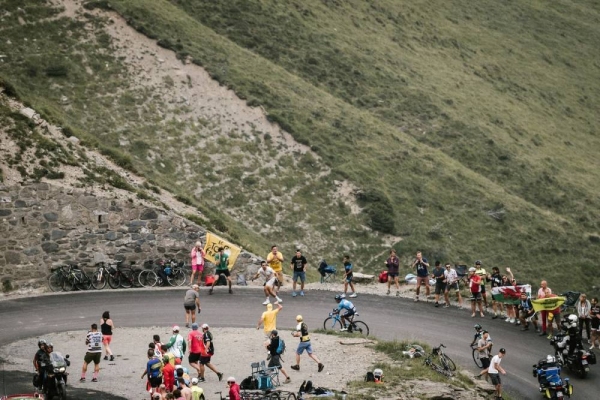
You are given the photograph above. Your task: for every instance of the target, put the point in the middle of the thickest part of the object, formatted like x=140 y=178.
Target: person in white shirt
x=93 y=341
x=495 y=370
x=270 y=282
x=451 y=280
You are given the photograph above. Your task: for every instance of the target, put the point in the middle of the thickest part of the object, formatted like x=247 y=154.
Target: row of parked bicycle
x=155 y=273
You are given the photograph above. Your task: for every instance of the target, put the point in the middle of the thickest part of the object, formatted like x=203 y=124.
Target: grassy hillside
x=471 y=130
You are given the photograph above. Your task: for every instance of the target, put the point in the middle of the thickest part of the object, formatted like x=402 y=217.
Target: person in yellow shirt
x=269 y=319
x=275 y=261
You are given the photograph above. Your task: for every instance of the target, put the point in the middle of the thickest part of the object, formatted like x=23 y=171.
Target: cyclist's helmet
x=572 y=320
x=41 y=342
x=338 y=297
x=478 y=327
x=477 y=262
x=550 y=359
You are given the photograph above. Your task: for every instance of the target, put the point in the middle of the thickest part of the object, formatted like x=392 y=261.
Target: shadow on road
x=13 y=382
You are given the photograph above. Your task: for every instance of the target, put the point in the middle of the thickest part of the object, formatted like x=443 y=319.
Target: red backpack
x=383 y=277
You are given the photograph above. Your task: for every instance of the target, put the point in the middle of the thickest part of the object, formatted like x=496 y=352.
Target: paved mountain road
x=388 y=318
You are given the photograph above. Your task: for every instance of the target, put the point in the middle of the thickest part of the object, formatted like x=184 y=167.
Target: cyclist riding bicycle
x=347 y=305
x=478 y=334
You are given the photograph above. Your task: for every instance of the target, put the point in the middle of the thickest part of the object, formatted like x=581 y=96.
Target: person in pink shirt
x=543 y=314
x=196 y=346
x=197 y=262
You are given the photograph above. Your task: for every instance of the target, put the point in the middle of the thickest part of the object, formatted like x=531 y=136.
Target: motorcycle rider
x=45 y=364
x=37 y=360
x=572 y=335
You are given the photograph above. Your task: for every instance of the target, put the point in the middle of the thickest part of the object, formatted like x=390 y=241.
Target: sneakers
x=201 y=379
x=295 y=367
x=416 y=298
x=106 y=357
x=279 y=299
x=507 y=319
x=525 y=328
x=388 y=292
x=82 y=380
x=321 y=366
x=220 y=376
x=230 y=291
x=287 y=380
x=437 y=304
x=267 y=301
x=447 y=306
x=494 y=316
x=397 y=293
x=473 y=315
x=549 y=336
x=94 y=379
x=186 y=325
x=210 y=291
x=302 y=293
x=512 y=321
x=344 y=329
x=112 y=358
x=353 y=295
x=294 y=294
x=543 y=333
x=592 y=347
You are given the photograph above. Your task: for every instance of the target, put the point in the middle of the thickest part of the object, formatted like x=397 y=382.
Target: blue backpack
x=281 y=347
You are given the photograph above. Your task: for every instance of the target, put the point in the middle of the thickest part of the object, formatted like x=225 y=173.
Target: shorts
x=155 y=382
x=106 y=339
x=299 y=275
x=526 y=314
x=204 y=360
x=194 y=358
x=95 y=357
x=482 y=288
x=222 y=271
x=393 y=274
x=485 y=362
x=452 y=286
x=475 y=296
x=271 y=282
x=348 y=279
x=595 y=324
x=439 y=287
x=423 y=279
x=349 y=313
x=189 y=308
x=275 y=361
x=304 y=346
x=197 y=268
x=495 y=379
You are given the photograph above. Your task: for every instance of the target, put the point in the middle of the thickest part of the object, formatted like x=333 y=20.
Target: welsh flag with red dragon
x=510 y=294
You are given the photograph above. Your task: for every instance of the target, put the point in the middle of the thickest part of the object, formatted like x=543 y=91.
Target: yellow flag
x=548 y=303
x=213 y=242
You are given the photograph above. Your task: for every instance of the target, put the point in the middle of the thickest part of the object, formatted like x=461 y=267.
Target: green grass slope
x=471 y=129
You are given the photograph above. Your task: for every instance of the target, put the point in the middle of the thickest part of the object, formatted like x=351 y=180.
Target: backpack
x=249 y=383
x=280 y=347
x=370 y=377
x=211 y=346
x=383 y=277
x=306 y=387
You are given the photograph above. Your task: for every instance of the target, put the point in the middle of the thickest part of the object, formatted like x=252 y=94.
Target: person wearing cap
x=475 y=288
x=275 y=360
x=495 y=370
x=168 y=374
x=197 y=256
x=484 y=346
x=191 y=301
x=234 y=389
x=302 y=333
x=197 y=391
x=176 y=343
x=209 y=351
x=222 y=268
x=269 y=319
x=196 y=348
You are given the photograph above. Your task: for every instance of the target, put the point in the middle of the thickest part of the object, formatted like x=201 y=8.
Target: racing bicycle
x=445 y=366
x=334 y=323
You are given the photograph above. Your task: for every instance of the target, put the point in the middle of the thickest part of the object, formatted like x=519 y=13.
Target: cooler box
x=264 y=382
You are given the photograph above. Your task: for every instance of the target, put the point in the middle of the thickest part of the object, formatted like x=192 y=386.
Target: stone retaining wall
x=42 y=225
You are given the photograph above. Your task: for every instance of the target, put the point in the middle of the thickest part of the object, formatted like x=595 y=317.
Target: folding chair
x=327 y=272
x=267 y=378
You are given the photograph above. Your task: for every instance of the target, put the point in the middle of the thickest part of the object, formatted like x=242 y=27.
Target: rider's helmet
x=298 y=318
x=338 y=297
x=550 y=359
x=572 y=321
x=41 y=343
x=478 y=327
x=477 y=262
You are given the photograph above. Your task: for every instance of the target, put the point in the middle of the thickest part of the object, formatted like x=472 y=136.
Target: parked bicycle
x=58 y=276
x=445 y=366
x=162 y=272
x=260 y=395
x=334 y=322
x=76 y=278
x=114 y=274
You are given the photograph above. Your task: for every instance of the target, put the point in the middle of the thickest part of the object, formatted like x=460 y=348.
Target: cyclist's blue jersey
x=346 y=305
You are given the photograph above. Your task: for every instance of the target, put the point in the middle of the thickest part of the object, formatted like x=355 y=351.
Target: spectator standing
x=553 y=316
x=221 y=268
x=584 y=314
x=207 y=339
x=270 y=282
x=191 y=300
x=197 y=262
x=195 y=346
x=234 y=389
x=157 y=344
x=484 y=347
x=348 y=276
x=275 y=261
x=168 y=372
x=440 y=285
x=508 y=279
x=197 y=391
x=302 y=333
x=451 y=278
x=420 y=264
x=475 y=288
x=106 y=328
x=298 y=264
x=275 y=360
x=541 y=294
x=496 y=281
x=495 y=370
x=153 y=371
x=176 y=344
x=269 y=319
x=595 y=322
x=480 y=271
x=93 y=341
x=393 y=267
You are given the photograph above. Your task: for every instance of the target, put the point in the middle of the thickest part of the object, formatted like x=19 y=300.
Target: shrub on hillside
x=379 y=209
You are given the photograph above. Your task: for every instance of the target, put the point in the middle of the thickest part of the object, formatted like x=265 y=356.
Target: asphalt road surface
x=388 y=318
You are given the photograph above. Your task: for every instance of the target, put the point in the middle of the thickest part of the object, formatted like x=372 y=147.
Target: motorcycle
x=579 y=362
x=552 y=386
x=56 y=378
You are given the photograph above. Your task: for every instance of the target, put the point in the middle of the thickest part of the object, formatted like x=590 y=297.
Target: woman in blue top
x=348 y=276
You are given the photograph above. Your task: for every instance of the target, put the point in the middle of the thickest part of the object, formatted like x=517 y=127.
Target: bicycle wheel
x=148 y=278
x=447 y=363
x=332 y=324
x=55 y=281
x=114 y=279
x=476 y=359
x=177 y=278
x=291 y=396
x=82 y=281
x=99 y=279
x=126 y=278
x=273 y=396
x=360 y=328
x=69 y=282
x=136 y=277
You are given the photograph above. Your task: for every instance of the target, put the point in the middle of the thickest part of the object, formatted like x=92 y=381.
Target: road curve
x=388 y=318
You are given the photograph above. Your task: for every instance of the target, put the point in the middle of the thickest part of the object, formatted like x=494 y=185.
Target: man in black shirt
x=496 y=281
x=275 y=361
x=298 y=265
